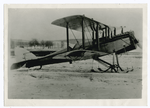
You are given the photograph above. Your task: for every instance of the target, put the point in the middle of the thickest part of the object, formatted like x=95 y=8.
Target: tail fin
x=22 y=56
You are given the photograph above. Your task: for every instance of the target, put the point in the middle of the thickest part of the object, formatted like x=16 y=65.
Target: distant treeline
x=35 y=42
x=43 y=43
x=31 y=43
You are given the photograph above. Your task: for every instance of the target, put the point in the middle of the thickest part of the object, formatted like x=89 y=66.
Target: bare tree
x=48 y=44
x=33 y=42
x=42 y=43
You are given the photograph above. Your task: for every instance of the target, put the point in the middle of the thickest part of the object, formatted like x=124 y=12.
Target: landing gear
x=35 y=68
x=113 y=67
x=118 y=66
x=40 y=67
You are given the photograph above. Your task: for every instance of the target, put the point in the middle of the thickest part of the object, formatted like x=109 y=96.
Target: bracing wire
x=72 y=32
x=89 y=32
x=87 y=39
x=125 y=41
x=75 y=37
x=88 y=29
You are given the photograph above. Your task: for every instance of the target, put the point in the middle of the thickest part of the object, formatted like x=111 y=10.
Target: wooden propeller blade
x=139 y=45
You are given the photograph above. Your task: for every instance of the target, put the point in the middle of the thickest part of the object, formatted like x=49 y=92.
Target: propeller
x=139 y=44
x=135 y=40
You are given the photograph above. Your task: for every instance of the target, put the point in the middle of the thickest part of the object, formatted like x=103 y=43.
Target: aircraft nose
x=137 y=42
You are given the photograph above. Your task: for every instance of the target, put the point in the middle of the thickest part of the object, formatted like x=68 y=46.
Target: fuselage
x=120 y=43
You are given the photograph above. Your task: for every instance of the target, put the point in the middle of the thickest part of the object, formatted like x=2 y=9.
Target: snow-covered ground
x=75 y=81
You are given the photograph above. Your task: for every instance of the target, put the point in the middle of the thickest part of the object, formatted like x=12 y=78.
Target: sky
x=29 y=23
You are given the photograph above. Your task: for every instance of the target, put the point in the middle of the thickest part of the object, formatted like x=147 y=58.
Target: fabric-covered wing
x=84 y=54
x=75 y=23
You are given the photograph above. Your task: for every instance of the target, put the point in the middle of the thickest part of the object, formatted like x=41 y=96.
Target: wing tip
x=54 y=22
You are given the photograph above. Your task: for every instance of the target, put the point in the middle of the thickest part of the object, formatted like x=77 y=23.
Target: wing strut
x=83 y=37
x=108 y=33
x=67 y=32
x=114 y=31
x=93 y=43
x=97 y=36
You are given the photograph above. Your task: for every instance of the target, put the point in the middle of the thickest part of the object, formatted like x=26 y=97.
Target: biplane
x=104 y=41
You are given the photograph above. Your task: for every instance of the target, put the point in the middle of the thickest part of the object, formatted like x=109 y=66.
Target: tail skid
x=17 y=65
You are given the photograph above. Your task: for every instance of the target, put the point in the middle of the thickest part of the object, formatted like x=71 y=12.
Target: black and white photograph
x=75 y=53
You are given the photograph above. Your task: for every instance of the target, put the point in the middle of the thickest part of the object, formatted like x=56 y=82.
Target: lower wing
x=39 y=62
x=66 y=57
x=17 y=65
x=84 y=54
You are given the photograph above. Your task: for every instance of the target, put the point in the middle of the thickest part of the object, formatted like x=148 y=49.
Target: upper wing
x=75 y=23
